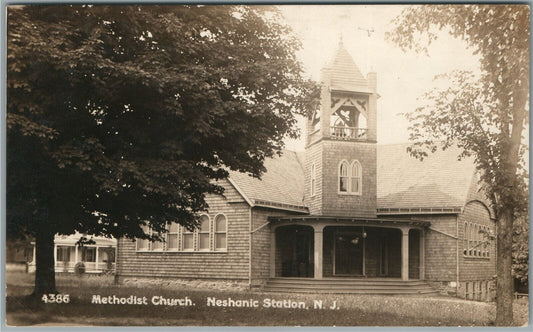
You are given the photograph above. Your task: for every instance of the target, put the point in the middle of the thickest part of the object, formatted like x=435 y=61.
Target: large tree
x=119 y=116
x=483 y=115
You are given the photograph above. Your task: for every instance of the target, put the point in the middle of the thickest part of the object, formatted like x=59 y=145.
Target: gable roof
x=439 y=181
x=282 y=185
x=345 y=75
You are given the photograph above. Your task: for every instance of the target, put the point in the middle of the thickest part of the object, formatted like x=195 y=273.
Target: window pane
x=187 y=241
x=355 y=185
x=343 y=185
x=157 y=245
x=142 y=244
x=220 y=241
x=172 y=241
x=220 y=223
x=88 y=254
x=204 y=241
x=204 y=224
x=355 y=169
x=344 y=169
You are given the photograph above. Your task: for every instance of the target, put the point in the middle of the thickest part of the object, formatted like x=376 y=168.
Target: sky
x=402 y=77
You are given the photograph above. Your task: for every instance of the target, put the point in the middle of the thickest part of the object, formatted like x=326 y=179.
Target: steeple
x=341 y=142
x=344 y=73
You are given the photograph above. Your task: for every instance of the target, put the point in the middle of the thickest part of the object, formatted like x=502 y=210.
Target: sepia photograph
x=274 y=165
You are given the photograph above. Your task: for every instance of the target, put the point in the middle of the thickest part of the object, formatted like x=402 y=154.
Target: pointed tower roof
x=345 y=75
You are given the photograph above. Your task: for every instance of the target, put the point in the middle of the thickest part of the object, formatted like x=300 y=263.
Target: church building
x=345 y=216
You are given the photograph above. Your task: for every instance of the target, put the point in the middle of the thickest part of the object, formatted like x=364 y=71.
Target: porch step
x=348 y=286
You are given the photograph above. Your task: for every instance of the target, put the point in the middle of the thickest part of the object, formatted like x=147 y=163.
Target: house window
x=143 y=244
x=476 y=240
x=203 y=235
x=179 y=238
x=220 y=232
x=88 y=254
x=355 y=178
x=313 y=180
x=465 y=240
x=343 y=177
x=172 y=236
x=188 y=239
x=63 y=254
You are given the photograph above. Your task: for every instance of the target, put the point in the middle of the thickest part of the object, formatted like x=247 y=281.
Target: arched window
x=203 y=234
x=465 y=240
x=220 y=232
x=470 y=242
x=313 y=180
x=355 y=178
x=343 y=177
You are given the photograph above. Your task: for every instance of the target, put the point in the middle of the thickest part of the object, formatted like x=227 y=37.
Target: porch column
x=422 y=264
x=75 y=254
x=318 y=245
x=96 y=264
x=405 y=253
x=273 y=253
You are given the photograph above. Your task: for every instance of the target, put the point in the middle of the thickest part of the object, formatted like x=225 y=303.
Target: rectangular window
x=63 y=254
x=88 y=254
x=172 y=236
x=188 y=239
x=143 y=245
x=203 y=235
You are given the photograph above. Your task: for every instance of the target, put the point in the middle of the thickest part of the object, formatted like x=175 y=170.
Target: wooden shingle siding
x=440 y=250
x=232 y=264
x=333 y=203
x=261 y=245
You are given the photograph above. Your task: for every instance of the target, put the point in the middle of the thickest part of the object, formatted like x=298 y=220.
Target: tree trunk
x=45 y=282
x=504 y=282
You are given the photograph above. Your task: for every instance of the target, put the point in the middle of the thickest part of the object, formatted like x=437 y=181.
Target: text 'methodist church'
x=345 y=216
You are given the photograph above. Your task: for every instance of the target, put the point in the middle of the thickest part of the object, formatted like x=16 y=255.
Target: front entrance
x=294 y=251
x=373 y=251
x=349 y=254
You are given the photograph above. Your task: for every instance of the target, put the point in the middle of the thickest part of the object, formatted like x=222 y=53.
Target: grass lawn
x=353 y=310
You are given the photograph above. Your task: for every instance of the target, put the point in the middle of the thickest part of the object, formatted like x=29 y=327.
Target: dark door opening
x=349 y=251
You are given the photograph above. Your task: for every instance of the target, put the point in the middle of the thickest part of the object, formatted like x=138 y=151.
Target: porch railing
x=343 y=132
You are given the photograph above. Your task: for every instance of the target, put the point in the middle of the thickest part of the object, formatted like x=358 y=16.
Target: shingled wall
x=232 y=264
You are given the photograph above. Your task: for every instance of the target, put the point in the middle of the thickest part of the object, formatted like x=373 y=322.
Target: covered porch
x=320 y=247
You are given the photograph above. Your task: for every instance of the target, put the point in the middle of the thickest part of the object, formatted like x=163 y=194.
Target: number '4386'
x=56 y=298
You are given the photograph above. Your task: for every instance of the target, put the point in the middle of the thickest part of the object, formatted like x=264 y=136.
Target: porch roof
x=359 y=221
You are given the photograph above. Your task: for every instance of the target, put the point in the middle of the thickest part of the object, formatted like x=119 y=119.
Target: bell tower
x=340 y=167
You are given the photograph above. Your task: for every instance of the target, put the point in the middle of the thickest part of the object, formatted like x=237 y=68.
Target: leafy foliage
x=484 y=116
x=121 y=115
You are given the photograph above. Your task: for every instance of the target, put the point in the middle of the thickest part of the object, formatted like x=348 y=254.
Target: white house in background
x=97 y=258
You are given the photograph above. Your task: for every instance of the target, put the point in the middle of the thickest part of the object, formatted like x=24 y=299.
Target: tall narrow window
x=343 y=177
x=355 y=178
x=465 y=240
x=172 y=236
x=313 y=180
x=220 y=232
x=188 y=239
x=142 y=244
x=203 y=234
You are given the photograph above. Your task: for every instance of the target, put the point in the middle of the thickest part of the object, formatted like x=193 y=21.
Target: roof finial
x=340 y=39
